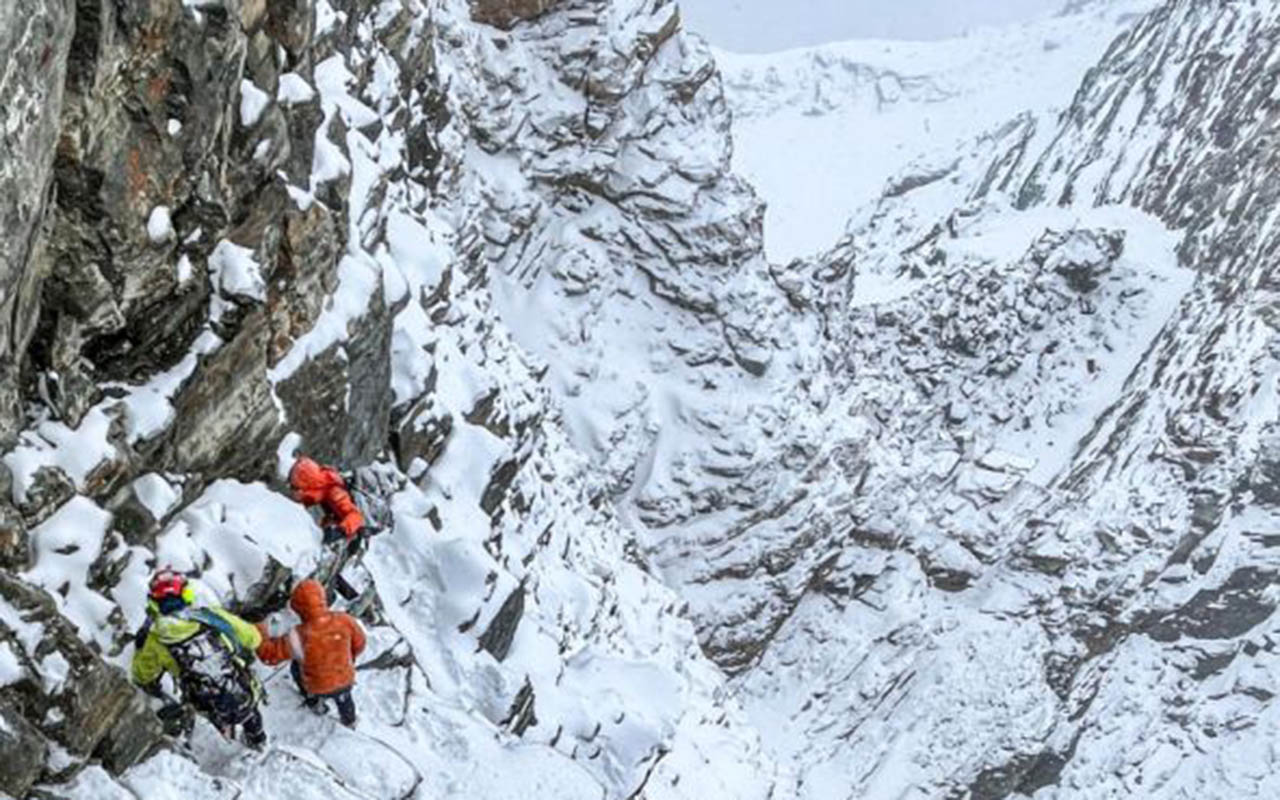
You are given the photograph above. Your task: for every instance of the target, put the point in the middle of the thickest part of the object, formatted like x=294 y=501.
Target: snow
x=159 y=225
x=54 y=670
x=169 y=776
x=819 y=131
x=419 y=259
x=235 y=273
x=156 y=494
x=65 y=546
x=1048 y=445
x=95 y=783
x=236 y=527
x=294 y=89
x=11 y=669
x=77 y=452
x=327 y=18
x=286 y=454
x=253 y=101
x=328 y=162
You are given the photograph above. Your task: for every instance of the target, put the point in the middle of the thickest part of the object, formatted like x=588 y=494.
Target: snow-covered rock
x=974 y=500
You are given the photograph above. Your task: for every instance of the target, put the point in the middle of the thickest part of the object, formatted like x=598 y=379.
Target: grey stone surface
x=35 y=36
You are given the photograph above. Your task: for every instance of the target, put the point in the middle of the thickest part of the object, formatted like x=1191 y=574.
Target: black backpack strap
x=140 y=638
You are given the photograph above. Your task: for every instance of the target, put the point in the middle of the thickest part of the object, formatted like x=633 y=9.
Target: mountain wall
x=245 y=229
x=977 y=503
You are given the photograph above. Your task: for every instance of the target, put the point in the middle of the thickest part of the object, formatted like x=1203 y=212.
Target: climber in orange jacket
x=316 y=485
x=323 y=650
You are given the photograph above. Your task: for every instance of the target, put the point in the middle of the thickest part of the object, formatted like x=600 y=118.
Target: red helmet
x=167 y=583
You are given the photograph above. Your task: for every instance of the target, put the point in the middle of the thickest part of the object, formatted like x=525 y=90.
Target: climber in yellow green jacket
x=208 y=651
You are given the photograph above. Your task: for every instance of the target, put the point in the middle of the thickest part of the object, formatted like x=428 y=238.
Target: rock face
x=25 y=751
x=248 y=228
x=936 y=500
x=154 y=270
x=505 y=13
x=74 y=699
x=36 y=37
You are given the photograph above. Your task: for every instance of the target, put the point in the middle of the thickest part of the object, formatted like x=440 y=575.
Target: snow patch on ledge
x=253 y=101
x=235 y=273
x=76 y=451
x=294 y=89
x=358 y=279
x=65 y=546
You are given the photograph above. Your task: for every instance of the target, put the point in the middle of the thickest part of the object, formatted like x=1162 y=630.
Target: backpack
x=369 y=490
x=213 y=669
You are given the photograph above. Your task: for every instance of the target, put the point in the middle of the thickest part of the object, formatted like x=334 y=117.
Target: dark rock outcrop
x=501 y=632
x=35 y=36
x=83 y=704
x=505 y=13
x=22 y=752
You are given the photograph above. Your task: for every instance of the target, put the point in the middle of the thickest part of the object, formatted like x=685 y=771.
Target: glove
x=356 y=545
x=332 y=533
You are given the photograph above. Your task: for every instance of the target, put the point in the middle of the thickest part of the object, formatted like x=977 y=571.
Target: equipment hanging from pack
x=213 y=668
x=366 y=488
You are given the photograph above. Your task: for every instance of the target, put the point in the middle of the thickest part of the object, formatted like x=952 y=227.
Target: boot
x=316 y=705
x=254 y=735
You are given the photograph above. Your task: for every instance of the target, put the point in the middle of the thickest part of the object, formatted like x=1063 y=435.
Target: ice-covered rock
x=976 y=502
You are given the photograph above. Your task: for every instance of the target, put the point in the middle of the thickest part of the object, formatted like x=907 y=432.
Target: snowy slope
x=820 y=131
x=517 y=647
x=1065 y=591
x=895 y=522
x=977 y=502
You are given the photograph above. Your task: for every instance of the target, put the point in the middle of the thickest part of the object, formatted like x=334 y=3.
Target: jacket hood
x=308 y=600
x=311 y=481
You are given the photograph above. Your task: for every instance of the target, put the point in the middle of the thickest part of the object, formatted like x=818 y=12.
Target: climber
x=323 y=650
x=317 y=485
x=208 y=651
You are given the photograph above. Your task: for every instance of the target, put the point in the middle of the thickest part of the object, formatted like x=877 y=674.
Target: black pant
x=252 y=726
x=226 y=710
x=341 y=698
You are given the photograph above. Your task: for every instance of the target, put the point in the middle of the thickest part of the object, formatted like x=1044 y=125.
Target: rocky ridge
x=264 y=232
x=955 y=455
x=1116 y=580
x=937 y=499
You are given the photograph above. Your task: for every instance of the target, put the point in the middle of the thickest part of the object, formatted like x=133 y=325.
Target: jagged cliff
x=241 y=228
x=977 y=503
x=1052 y=359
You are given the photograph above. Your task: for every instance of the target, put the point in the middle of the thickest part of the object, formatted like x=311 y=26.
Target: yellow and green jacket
x=153 y=659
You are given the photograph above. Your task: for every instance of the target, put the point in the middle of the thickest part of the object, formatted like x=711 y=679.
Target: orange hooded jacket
x=315 y=485
x=326 y=643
